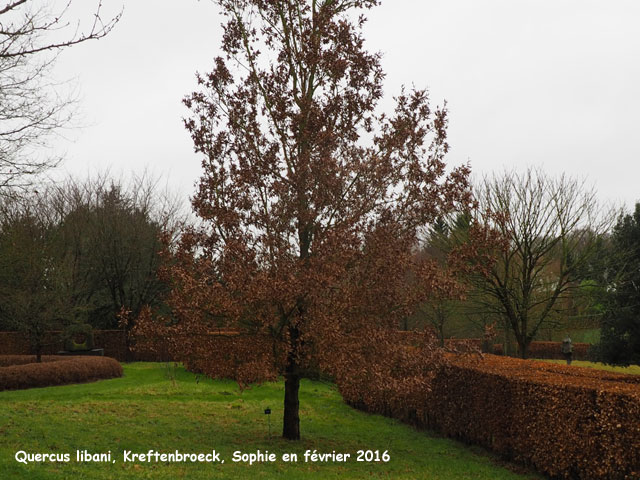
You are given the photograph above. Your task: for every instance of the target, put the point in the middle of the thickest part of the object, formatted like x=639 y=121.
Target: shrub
x=553 y=350
x=463 y=345
x=567 y=422
x=16 y=371
x=546 y=350
x=9 y=360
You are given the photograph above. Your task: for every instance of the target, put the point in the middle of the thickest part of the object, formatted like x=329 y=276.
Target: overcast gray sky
x=551 y=83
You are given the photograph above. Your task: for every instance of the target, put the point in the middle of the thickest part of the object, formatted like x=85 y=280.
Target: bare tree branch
x=32 y=107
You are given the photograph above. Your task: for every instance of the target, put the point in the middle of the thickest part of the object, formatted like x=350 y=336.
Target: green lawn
x=155 y=407
x=632 y=369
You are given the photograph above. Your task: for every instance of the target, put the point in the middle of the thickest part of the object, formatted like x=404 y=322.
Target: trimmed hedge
x=10 y=360
x=114 y=343
x=553 y=350
x=19 y=371
x=568 y=422
x=546 y=350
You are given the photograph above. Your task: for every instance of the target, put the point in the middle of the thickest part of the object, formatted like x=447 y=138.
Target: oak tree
x=311 y=202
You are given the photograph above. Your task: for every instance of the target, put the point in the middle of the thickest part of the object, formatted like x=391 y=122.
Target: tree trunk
x=507 y=340
x=291 y=421
x=523 y=347
x=38 y=353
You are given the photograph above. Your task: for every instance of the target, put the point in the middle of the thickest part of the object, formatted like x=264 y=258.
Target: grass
x=166 y=409
x=591 y=336
x=632 y=369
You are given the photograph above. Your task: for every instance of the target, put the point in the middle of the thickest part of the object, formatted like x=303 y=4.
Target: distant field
x=632 y=369
x=164 y=408
x=585 y=336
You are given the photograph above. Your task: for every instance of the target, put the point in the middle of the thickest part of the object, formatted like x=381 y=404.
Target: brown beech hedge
x=554 y=350
x=568 y=422
x=21 y=371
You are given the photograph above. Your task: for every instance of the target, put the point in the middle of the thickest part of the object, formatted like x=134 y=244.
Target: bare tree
x=551 y=226
x=32 y=34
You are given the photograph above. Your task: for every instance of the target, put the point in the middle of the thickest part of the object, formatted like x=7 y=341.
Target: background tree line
x=82 y=252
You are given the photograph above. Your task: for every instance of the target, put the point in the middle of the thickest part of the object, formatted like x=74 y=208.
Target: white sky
x=551 y=83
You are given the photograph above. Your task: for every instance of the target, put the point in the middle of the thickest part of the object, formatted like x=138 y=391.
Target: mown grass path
x=163 y=408
x=631 y=369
